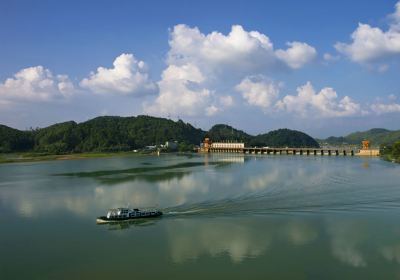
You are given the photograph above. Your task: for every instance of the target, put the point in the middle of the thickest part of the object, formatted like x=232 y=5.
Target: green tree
x=396 y=150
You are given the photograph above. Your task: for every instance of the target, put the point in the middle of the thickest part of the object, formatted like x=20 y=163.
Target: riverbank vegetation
x=127 y=134
x=102 y=134
x=376 y=136
x=34 y=157
x=391 y=152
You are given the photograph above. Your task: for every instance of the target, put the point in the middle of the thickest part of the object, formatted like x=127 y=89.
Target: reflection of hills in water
x=148 y=173
x=214 y=208
x=210 y=186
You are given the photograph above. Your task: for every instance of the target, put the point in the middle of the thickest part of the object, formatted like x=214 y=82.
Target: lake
x=225 y=217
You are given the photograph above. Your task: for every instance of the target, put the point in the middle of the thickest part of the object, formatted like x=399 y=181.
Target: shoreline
x=38 y=157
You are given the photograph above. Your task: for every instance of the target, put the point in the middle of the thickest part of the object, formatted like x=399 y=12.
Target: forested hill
x=14 y=140
x=284 y=138
x=100 y=134
x=222 y=132
x=275 y=138
x=127 y=133
x=377 y=137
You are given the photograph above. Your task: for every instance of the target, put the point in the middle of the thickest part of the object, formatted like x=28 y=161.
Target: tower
x=365 y=145
x=206 y=145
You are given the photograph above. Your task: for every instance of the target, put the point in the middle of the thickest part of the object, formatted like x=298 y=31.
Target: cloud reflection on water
x=347 y=239
x=240 y=238
x=253 y=187
x=190 y=239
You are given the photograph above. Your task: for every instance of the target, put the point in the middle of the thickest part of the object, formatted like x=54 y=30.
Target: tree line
x=391 y=152
x=112 y=134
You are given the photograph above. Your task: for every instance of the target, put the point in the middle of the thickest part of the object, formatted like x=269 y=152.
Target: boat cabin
x=124 y=213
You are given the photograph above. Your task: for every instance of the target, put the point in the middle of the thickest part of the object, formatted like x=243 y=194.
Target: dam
x=238 y=147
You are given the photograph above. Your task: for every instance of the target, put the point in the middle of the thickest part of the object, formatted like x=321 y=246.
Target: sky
x=322 y=67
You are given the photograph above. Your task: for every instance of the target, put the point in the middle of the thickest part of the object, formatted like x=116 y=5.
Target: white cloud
x=199 y=65
x=181 y=93
x=216 y=51
x=297 y=55
x=371 y=44
x=381 y=108
x=35 y=84
x=259 y=91
x=128 y=77
x=325 y=103
x=249 y=50
x=187 y=72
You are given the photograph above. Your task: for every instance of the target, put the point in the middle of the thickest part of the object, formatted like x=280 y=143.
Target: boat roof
x=134 y=209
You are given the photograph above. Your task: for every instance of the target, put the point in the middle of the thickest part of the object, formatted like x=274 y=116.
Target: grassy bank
x=33 y=157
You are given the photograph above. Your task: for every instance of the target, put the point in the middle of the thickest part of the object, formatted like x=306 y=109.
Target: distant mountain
x=377 y=137
x=114 y=133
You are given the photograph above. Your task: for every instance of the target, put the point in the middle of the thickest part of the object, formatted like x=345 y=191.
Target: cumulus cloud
x=35 y=84
x=324 y=103
x=129 y=76
x=181 y=93
x=199 y=64
x=259 y=91
x=249 y=50
x=215 y=51
x=297 y=55
x=370 y=44
x=381 y=108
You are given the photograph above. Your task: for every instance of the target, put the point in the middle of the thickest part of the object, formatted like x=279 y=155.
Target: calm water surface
x=226 y=217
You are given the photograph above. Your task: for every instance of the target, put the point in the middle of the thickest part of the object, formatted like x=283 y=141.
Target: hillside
x=220 y=132
x=102 y=134
x=277 y=138
x=377 y=137
x=14 y=140
x=284 y=138
x=111 y=134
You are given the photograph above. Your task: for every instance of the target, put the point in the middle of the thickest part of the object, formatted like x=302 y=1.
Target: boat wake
x=264 y=205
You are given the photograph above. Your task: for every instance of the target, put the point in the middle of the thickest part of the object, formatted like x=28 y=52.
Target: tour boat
x=124 y=214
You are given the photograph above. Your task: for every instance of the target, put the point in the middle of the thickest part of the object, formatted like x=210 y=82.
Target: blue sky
x=256 y=65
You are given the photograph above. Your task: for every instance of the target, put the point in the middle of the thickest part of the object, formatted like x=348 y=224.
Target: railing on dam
x=288 y=151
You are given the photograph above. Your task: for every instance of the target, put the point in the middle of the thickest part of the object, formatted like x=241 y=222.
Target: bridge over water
x=286 y=151
x=235 y=147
